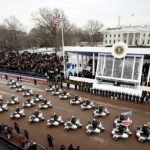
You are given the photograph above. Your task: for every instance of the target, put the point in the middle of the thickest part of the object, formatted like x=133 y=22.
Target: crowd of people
x=39 y=63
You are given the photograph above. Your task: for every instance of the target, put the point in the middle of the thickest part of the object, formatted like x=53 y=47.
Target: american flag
x=57 y=21
x=127 y=122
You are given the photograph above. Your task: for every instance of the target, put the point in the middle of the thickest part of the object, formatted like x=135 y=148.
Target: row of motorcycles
x=121 y=127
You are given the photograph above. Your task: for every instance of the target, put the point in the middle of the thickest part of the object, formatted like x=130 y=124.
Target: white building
x=132 y=36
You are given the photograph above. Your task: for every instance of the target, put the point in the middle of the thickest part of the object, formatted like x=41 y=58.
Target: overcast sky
x=80 y=11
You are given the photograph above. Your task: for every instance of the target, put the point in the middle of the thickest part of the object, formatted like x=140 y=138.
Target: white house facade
x=132 y=36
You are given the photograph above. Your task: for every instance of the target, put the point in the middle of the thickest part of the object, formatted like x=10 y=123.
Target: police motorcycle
x=72 y=123
x=11 y=82
x=37 y=116
x=55 y=120
x=28 y=103
x=38 y=97
x=3 y=107
x=94 y=127
x=87 y=105
x=27 y=92
x=21 y=88
x=122 y=118
x=45 y=104
x=13 y=100
x=50 y=88
x=15 y=85
x=57 y=91
x=101 y=111
x=64 y=95
x=121 y=132
x=18 y=113
x=143 y=133
x=76 y=100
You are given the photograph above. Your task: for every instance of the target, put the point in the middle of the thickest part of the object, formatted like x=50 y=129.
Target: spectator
x=50 y=140
x=17 y=128
x=21 y=140
x=26 y=134
x=70 y=147
x=6 y=77
x=62 y=147
x=34 y=146
x=35 y=81
x=17 y=78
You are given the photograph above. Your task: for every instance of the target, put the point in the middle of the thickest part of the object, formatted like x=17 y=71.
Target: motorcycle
x=45 y=105
x=27 y=93
x=17 y=115
x=3 y=107
x=66 y=96
x=69 y=125
x=57 y=92
x=76 y=101
x=53 y=122
x=104 y=112
x=13 y=86
x=88 y=106
x=91 y=130
x=11 y=82
x=13 y=100
x=34 y=119
x=28 y=103
x=20 y=88
x=38 y=97
x=141 y=136
x=50 y=89
x=121 y=134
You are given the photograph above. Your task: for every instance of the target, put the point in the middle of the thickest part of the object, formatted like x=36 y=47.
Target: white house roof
x=132 y=51
x=127 y=29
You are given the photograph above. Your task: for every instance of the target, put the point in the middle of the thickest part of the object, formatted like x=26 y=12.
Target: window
x=110 y=35
x=125 y=41
x=105 y=41
x=109 y=41
x=149 y=35
x=148 y=42
x=114 y=35
x=118 y=35
x=114 y=41
x=143 y=42
x=106 y=35
x=144 y=34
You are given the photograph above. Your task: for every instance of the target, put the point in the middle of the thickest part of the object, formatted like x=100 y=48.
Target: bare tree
x=44 y=19
x=92 y=31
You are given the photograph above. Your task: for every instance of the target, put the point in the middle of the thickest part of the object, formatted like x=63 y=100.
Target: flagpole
x=62 y=35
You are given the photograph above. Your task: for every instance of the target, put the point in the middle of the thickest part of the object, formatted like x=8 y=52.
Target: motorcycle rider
x=145 y=131
x=121 y=129
x=87 y=102
x=55 y=117
x=94 y=123
x=73 y=120
x=101 y=108
x=76 y=98
x=45 y=102
x=17 y=110
x=64 y=92
x=36 y=113
x=12 y=97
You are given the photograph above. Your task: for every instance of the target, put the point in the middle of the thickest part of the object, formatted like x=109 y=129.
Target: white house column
x=148 y=76
x=133 y=42
x=133 y=67
x=93 y=64
x=127 y=38
x=140 y=40
x=77 y=67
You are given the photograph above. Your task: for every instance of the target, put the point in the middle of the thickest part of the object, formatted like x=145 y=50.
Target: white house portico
x=132 y=36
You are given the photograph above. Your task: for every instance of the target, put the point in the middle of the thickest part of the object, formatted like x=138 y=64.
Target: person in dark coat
x=26 y=134
x=17 y=127
x=70 y=147
x=35 y=81
x=6 y=77
x=17 y=78
x=50 y=141
x=77 y=148
x=62 y=147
